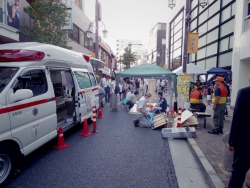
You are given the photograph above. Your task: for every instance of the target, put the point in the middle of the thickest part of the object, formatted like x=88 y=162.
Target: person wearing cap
x=197 y=85
x=219 y=106
x=196 y=100
x=141 y=120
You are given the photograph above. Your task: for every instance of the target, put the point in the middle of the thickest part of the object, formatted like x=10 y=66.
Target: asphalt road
x=119 y=155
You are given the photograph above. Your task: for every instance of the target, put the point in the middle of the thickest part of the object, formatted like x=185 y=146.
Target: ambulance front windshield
x=6 y=74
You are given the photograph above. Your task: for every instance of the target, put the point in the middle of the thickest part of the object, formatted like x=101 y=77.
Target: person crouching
x=141 y=120
x=196 y=100
x=131 y=100
x=162 y=103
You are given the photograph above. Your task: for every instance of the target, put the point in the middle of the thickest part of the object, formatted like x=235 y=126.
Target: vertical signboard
x=12 y=13
x=69 y=22
x=193 y=43
x=183 y=90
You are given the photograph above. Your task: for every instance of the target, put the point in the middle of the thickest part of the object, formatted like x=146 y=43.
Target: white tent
x=191 y=69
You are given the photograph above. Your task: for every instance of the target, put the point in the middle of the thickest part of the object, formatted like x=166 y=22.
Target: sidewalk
x=212 y=145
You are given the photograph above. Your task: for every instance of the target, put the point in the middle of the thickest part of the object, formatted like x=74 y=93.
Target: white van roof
x=54 y=56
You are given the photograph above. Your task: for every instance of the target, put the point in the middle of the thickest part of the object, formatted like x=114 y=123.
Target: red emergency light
x=20 y=55
x=87 y=58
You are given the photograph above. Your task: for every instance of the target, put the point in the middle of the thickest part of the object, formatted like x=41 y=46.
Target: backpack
x=117 y=89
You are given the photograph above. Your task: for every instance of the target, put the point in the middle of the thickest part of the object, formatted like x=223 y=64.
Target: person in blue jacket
x=162 y=103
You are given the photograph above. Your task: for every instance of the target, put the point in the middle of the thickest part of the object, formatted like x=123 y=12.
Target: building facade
x=121 y=44
x=215 y=25
x=156 y=47
x=241 y=52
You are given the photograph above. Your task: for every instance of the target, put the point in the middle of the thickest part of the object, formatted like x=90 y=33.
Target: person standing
x=125 y=87
x=120 y=91
x=101 y=95
x=146 y=83
x=107 y=89
x=162 y=85
x=158 y=84
x=209 y=94
x=137 y=85
x=113 y=100
x=142 y=88
x=239 y=139
x=219 y=106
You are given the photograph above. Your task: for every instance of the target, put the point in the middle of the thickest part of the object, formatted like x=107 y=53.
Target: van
x=42 y=87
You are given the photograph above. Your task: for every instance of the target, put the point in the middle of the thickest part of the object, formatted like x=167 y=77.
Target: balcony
x=247 y=23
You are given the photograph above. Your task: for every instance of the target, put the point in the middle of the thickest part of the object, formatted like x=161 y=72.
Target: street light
x=171 y=4
x=96 y=21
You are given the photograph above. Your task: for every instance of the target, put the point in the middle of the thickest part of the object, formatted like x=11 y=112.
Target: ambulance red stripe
x=27 y=105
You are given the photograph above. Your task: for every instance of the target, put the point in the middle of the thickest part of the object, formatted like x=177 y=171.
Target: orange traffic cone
x=94 y=120
x=85 y=131
x=100 y=112
x=60 y=140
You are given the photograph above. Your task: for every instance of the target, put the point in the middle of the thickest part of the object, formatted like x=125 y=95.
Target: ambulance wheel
x=8 y=165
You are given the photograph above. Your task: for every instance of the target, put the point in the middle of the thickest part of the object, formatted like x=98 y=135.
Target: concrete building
x=8 y=26
x=121 y=44
x=156 y=47
x=215 y=25
x=241 y=53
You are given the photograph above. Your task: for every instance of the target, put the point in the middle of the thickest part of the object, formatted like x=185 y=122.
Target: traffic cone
x=60 y=140
x=179 y=117
x=100 y=112
x=94 y=120
x=85 y=131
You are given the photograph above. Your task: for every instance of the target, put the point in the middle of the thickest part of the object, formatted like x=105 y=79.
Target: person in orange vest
x=219 y=106
x=197 y=85
x=196 y=100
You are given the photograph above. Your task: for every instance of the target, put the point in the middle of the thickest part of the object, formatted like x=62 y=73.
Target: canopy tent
x=149 y=71
x=191 y=69
x=218 y=71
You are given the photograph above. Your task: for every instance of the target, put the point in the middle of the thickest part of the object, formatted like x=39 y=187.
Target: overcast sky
x=129 y=19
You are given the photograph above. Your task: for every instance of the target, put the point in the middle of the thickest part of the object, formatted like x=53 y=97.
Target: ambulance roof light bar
x=20 y=55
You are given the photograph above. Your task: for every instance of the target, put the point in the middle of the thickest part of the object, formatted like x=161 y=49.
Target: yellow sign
x=92 y=54
x=183 y=87
x=193 y=43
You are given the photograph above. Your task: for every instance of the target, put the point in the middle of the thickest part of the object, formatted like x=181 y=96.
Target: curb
x=211 y=175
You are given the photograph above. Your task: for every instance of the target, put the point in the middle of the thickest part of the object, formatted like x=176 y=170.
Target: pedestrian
x=141 y=120
x=146 y=85
x=107 y=89
x=101 y=95
x=120 y=91
x=219 y=106
x=131 y=100
x=142 y=88
x=196 y=100
x=113 y=100
x=158 y=83
x=162 y=85
x=210 y=91
x=239 y=139
x=162 y=103
x=137 y=85
x=125 y=87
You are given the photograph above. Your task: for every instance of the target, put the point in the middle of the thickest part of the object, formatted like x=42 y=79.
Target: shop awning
x=105 y=48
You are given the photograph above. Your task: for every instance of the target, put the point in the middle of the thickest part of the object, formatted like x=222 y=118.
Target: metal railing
x=247 y=23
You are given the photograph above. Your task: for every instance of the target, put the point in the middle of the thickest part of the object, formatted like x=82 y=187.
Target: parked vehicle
x=42 y=87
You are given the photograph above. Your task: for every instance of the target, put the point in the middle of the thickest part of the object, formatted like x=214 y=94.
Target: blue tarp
x=218 y=71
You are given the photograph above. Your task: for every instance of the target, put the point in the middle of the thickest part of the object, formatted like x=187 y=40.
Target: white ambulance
x=42 y=87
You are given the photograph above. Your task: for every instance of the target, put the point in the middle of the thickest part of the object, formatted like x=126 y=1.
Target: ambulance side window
x=83 y=79
x=92 y=78
x=37 y=84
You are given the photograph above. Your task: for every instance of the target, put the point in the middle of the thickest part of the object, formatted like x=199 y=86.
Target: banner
x=193 y=43
x=12 y=13
x=183 y=90
x=90 y=99
x=69 y=22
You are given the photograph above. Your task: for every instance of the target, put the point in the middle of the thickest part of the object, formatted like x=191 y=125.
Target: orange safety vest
x=223 y=94
x=195 y=97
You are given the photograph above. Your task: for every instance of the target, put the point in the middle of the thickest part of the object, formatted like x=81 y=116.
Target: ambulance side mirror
x=21 y=94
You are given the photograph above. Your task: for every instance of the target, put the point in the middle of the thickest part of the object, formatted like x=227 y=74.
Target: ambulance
x=42 y=87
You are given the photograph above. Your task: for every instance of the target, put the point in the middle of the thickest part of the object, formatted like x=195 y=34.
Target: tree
x=128 y=57
x=48 y=17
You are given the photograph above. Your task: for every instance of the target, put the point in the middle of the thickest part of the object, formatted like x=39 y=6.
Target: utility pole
x=97 y=18
x=187 y=19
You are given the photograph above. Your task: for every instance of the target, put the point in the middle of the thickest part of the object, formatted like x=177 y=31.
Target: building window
x=203 y=16
x=194 y=3
x=248 y=9
x=202 y=41
x=225 y=60
x=201 y=53
x=214 y=8
x=212 y=49
x=224 y=44
x=194 y=13
x=227 y=28
x=213 y=22
x=201 y=64
x=203 y=28
x=74 y=35
x=210 y=63
x=212 y=36
x=225 y=2
x=193 y=24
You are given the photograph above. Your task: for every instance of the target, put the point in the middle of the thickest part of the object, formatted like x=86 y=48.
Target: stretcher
x=187 y=132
